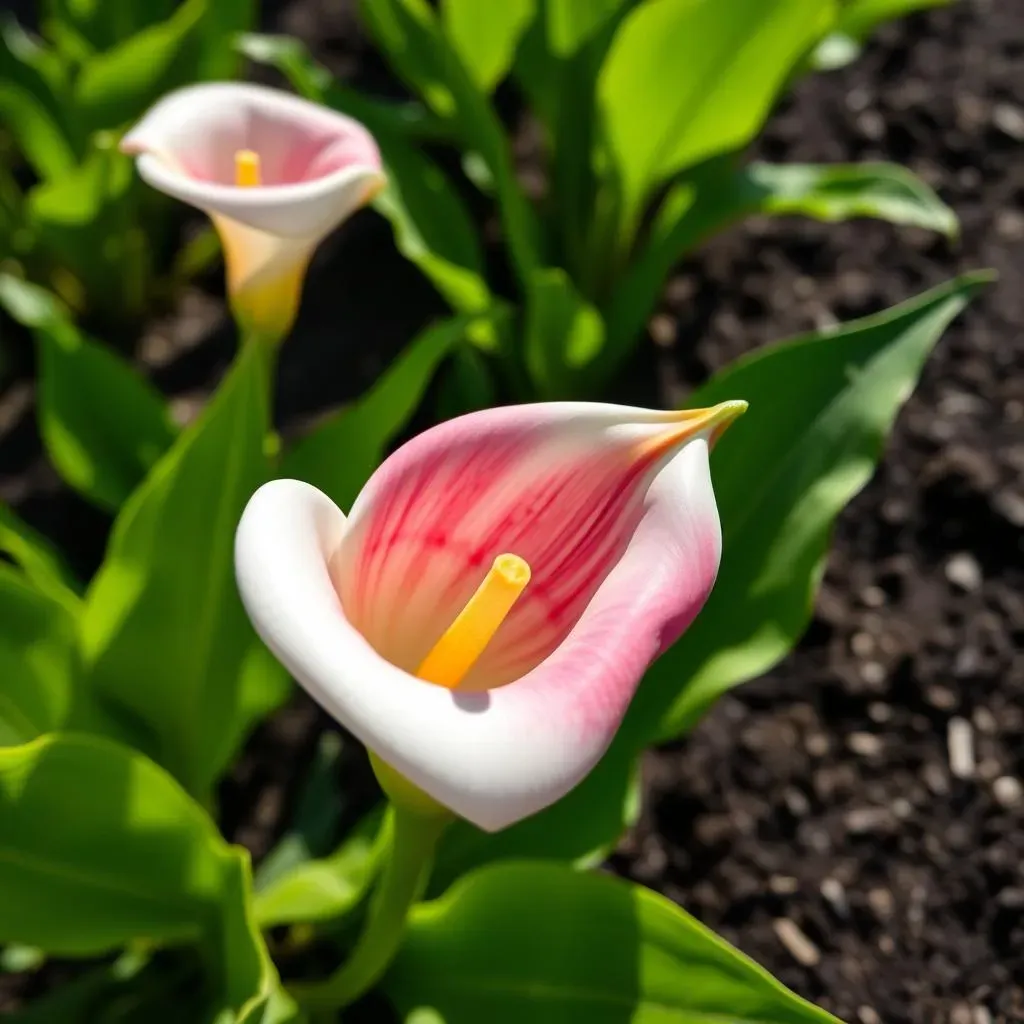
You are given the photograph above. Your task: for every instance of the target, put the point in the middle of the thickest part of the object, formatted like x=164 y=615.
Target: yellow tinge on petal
x=264 y=273
x=689 y=422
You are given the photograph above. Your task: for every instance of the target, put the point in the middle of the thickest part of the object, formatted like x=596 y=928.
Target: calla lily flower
x=275 y=173
x=612 y=511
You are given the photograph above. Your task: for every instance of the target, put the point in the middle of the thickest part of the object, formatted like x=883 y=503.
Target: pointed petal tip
x=724 y=414
x=687 y=424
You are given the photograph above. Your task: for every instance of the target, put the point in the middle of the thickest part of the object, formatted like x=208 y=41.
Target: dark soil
x=825 y=818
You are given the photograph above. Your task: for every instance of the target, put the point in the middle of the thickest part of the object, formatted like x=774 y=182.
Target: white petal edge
x=308 y=209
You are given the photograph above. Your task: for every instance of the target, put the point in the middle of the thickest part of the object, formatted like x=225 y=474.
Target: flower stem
x=413 y=839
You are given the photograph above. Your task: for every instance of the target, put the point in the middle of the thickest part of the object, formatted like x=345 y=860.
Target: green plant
x=125 y=698
x=645 y=110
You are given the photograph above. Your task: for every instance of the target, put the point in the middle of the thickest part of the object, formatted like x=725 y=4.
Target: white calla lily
x=274 y=172
x=612 y=510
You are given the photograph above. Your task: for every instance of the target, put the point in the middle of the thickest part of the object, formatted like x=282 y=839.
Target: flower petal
x=317 y=166
x=561 y=485
x=496 y=756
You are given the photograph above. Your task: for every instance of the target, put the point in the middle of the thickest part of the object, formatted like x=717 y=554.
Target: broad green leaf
x=537 y=942
x=485 y=35
x=411 y=35
x=857 y=20
x=38 y=660
x=782 y=476
x=718 y=194
x=164 y=633
x=832 y=192
x=118 y=85
x=103 y=423
x=328 y=888
x=340 y=454
x=686 y=79
x=31 y=88
x=35 y=556
x=134 y=858
x=563 y=334
x=821 y=407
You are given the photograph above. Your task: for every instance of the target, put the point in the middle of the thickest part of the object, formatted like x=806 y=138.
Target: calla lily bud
x=482 y=617
x=275 y=173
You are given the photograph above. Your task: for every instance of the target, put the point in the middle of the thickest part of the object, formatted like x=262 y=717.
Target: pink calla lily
x=308 y=169
x=614 y=512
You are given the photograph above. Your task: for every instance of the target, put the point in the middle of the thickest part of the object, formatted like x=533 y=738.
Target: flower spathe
x=613 y=510
x=274 y=172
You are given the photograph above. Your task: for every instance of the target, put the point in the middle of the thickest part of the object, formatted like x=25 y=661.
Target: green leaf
x=38 y=660
x=134 y=858
x=163 y=607
x=826 y=403
x=325 y=889
x=833 y=192
x=340 y=454
x=103 y=423
x=35 y=556
x=571 y=23
x=118 y=85
x=222 y=23
x=100 y=24
x=717 y=194
x=538 y=942
x=485 y=35
x=31 y=94
x=410 y=33
x=87 y=223
x=821 y=407
x=686 y=79
x=563 y=334
x=857 y=20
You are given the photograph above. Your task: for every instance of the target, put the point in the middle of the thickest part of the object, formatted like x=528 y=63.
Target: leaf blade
x=164 y=601
x=477 y=954
x=660 y=113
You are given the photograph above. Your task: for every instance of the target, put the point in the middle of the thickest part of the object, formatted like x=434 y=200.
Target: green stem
x=413 y=840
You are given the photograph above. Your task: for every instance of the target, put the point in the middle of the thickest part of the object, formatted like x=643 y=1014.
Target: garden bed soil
x=854 y=820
